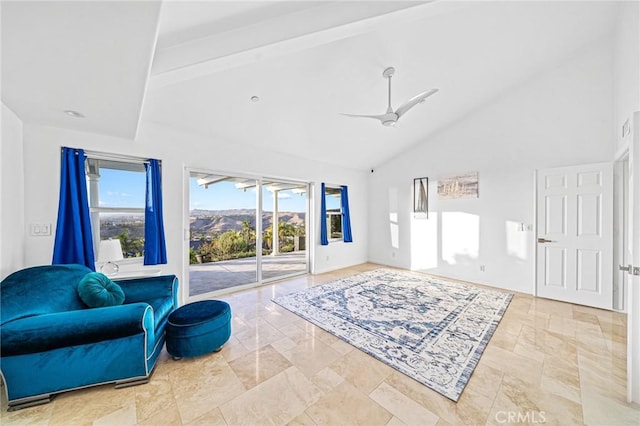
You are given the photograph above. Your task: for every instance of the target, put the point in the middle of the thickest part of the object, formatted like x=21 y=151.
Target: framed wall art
x=421 y=195
x=458 y=186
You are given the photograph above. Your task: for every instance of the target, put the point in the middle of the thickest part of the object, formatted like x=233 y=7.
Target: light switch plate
x=40 y=229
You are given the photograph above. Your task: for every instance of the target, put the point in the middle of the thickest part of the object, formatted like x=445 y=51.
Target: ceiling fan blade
x=402 y=109
x=381 y=117
x=389 y=119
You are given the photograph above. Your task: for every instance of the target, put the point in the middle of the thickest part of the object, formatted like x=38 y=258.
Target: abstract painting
x=458 y=186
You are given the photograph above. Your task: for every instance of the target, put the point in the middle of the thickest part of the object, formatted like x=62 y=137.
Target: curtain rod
x=115 y=157
x=333 y=185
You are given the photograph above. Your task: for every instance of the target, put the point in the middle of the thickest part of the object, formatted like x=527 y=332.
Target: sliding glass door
x=244 y=231
x=284 y=218
x=222 y=241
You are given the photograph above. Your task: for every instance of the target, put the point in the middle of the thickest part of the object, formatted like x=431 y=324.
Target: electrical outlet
x=482 y=268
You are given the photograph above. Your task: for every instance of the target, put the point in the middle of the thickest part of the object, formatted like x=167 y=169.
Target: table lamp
x=109 y=252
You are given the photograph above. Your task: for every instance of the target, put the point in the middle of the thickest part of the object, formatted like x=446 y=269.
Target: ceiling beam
x=165 y=75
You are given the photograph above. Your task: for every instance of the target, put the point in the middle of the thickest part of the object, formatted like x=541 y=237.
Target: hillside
x=208 y=222
x=203 y=222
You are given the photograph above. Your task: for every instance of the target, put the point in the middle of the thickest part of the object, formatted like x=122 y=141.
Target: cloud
x=118 y=194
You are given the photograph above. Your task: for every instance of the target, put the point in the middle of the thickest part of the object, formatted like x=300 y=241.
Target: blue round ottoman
x=198 y=328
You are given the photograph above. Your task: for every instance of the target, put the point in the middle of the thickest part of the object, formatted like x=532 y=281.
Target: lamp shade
x=110 y=250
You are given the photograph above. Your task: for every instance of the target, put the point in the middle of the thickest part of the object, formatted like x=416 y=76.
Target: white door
x=633 y=310
x=575 y=234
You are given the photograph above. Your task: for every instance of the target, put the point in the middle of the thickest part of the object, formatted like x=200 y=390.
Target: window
x=334 y=213
x=116 y=190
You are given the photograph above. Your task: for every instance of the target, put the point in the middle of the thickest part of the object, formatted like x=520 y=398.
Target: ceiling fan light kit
x=391 y=117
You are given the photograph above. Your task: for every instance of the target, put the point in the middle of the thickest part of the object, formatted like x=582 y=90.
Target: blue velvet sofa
x=51 y=342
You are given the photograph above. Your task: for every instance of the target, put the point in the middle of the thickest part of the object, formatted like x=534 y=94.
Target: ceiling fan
x=391 y=117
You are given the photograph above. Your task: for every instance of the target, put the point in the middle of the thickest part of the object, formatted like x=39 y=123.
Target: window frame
x=94 y=196
x=331 y=214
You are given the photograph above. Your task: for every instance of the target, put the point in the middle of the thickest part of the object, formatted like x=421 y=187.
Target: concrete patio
x=213 y=276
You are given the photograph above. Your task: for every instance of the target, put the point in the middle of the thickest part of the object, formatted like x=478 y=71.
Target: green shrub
x=192 y=256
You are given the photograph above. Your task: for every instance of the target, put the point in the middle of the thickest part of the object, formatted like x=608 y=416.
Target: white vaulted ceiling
x=306 y=61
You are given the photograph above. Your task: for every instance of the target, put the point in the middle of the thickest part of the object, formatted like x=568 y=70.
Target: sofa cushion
x=97 y=291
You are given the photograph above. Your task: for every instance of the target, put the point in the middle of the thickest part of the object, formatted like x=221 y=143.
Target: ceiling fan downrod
x=391 y=121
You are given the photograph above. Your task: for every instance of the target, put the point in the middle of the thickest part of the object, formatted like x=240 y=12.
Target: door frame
x=631 y=147
x=184 y=289
x=630 y=152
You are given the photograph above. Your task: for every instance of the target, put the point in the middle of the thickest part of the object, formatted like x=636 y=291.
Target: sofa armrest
x=41 y=333
x=145 y=289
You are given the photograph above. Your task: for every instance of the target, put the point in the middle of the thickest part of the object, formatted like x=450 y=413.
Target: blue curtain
x=346 y=217
x=155 y=251
x=74 y=241
x=324 y=239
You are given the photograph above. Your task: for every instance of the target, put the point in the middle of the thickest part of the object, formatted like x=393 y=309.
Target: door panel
x=285 y=229
x=222 y=215
x=556 y=212
x=589 y=276
x=556 y=181
x=556 y=267
x=589 y=214
x=589 y=179
x=575 y=226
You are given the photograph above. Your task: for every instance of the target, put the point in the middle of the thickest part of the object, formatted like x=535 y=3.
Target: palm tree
x=248 y=231
x=267 y=239
x=286 y=232
x=130 y=247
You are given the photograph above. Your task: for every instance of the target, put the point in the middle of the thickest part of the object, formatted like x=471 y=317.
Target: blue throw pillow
x=96 y=290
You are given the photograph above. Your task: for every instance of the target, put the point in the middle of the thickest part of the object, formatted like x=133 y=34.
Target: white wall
x=12 y=225
x=626 y=69
x=179 y=150
x=561 y=117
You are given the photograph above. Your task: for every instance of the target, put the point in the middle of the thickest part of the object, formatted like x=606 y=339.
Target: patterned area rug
x=432 y=330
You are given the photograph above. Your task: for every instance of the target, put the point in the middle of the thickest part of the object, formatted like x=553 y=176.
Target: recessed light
x=255 y=99
x=73 y=113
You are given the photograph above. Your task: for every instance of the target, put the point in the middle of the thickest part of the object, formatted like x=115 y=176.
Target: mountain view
x=210 y=222
x=210 y=228
x=202 y=222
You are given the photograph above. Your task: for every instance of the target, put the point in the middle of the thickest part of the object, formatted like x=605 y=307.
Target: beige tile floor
x=548 y=363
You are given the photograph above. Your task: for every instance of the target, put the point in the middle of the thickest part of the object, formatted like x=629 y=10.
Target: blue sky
x=120 y=188
x=224 y=195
